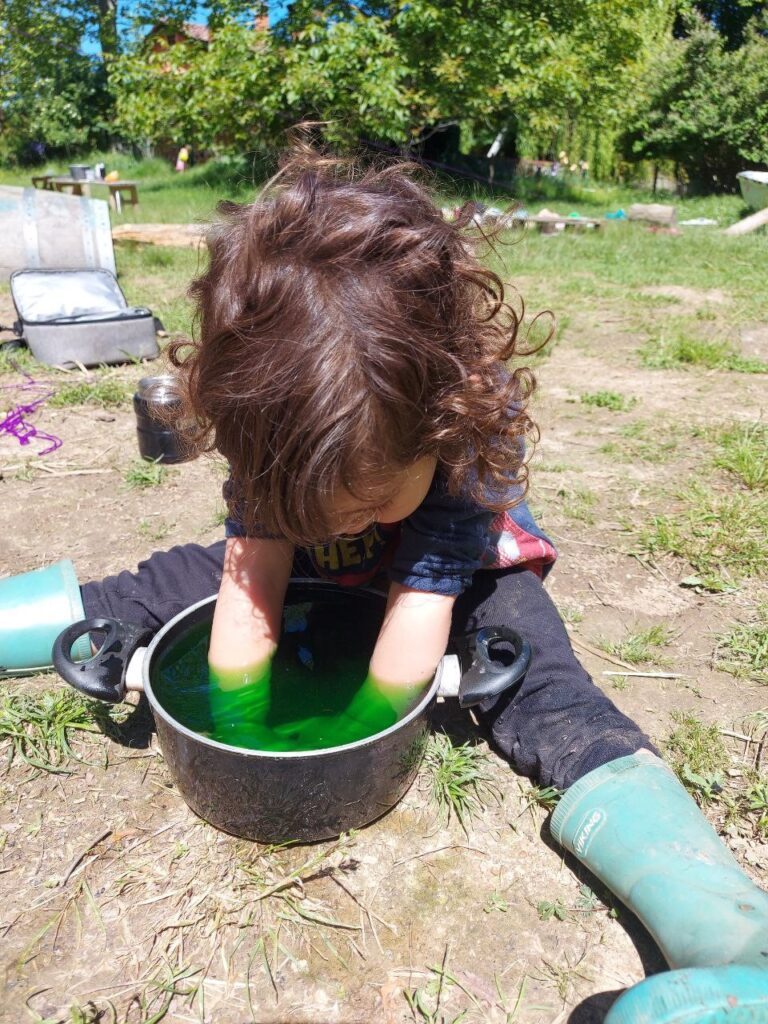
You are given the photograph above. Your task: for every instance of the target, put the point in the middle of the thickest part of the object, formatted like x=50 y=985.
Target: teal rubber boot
x=634 y=826
x=34 y=608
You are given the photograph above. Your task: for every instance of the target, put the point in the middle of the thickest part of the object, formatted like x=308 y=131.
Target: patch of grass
x=426 y=1002
x=639 y=429
x=756 y=800
x=697 y=754
x=639 y=648
x=722 y=536
x=570 y=614
x=679 y=349
x=37 y=728
x=17 y=360
x=161 y=286
x=743 y=451
x=459 y=781
x=563 y=978
x=743 y=651
x=644 y=442
x=154 y=530
x=278 y=884
x=143 y=474
x=107 y=392
x=546 y=797
x=578 y=503
x=608 y=400
x=218 y=517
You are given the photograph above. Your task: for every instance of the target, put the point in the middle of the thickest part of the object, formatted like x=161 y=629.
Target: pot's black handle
x=485 y=675
x=103 y=675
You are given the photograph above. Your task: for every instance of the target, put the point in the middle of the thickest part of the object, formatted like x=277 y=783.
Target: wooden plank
x=751 y=223
x=179 y=235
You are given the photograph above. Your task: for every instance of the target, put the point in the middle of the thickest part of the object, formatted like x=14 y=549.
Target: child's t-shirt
x=437 y=549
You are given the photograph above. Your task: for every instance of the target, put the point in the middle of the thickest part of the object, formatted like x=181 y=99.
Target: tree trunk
x=107 y=10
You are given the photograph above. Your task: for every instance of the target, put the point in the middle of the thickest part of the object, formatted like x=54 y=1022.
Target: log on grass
x=653 y=213
x=751 y=223
x=178 y=235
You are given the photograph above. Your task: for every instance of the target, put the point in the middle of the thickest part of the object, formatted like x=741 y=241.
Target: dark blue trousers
x=555 y=726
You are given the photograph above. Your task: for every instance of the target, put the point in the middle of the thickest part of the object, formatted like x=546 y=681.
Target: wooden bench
x=549 y=223
x=43 y=181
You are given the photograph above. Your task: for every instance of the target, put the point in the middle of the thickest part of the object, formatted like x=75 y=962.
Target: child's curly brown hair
x=345 y=331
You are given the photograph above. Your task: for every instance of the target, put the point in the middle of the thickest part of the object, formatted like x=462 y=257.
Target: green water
x=318 y=696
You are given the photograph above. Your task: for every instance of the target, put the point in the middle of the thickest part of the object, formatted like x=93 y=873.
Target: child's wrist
x=398 y=695
x=225 y=679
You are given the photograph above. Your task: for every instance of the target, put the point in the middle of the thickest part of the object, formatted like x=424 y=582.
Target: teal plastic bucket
x=34 y=608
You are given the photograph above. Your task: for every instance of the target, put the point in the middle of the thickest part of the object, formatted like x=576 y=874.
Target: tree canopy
x=704 y=106
x=678 y=80
x=392 y=70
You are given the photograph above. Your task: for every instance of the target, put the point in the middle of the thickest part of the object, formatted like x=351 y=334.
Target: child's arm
x=413 y=637
x=246 y=622
x=411 y=642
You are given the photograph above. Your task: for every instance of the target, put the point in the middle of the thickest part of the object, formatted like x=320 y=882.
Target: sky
x=276 y=11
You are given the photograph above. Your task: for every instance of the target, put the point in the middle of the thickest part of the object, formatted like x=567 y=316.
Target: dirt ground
x=113 y=894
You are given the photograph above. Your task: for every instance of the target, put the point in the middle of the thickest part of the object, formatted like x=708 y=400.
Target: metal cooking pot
x=274 y=796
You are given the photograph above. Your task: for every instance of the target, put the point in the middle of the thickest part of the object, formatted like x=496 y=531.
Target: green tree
x=55 y=60
x=394 y=70
x=705 y=107
x=50 y=91
x=223 y=95
x=730 y=18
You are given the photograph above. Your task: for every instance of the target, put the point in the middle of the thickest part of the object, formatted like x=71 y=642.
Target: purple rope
x=16 y=423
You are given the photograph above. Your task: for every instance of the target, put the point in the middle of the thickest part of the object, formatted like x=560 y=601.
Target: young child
x=352 y=369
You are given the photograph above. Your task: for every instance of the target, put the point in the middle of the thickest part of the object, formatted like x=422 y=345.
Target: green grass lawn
x=175 y=198
x=652 y=479
x=566 y=271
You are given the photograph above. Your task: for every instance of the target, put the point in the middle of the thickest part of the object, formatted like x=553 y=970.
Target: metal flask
x=154 y=403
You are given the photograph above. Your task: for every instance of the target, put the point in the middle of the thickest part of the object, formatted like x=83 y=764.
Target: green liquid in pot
x=318 y=670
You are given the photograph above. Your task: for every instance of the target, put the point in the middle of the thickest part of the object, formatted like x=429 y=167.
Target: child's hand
x=246 y=627
x=376 y=706
x=240 y=701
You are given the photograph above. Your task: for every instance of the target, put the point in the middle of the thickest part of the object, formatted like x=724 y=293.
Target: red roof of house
x=201 y=32
x=189 y=29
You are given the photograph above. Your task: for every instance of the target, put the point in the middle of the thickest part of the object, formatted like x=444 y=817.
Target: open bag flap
x=46 y=296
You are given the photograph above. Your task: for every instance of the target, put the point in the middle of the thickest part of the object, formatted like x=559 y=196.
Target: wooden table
x=43 y=181
x=119 y=191
x=116 y=190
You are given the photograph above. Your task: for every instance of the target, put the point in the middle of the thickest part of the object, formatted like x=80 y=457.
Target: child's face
x=402 y=493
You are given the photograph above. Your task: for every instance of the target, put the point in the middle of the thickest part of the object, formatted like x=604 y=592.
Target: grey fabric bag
x=80 y=316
